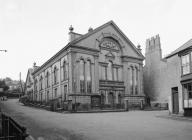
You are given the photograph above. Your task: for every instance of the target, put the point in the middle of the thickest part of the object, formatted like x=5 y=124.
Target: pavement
x=131 y=125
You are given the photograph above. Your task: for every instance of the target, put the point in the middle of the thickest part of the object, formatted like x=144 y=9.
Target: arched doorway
x=111 y=98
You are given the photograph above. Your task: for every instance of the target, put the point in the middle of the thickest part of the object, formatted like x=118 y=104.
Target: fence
x=11 y=130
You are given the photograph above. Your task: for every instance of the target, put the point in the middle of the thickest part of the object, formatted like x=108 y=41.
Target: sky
x=34 y=30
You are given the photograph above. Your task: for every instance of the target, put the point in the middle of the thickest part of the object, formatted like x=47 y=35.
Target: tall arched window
x=131 y=80
x=41 y=83
x=35 y=85
x=55 y=74
x=47 y=79
x=64 y=70
x=88 y=75
x=136 y=81
x=82 y=75
x=109 y=71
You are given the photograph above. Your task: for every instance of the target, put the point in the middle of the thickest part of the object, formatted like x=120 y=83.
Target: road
x=132 y=125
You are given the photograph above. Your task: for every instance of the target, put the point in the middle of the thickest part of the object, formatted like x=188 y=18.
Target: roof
x=183 y=47
x=87 y=35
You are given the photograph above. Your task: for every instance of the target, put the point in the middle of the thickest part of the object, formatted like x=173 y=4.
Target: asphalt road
x=132 y=125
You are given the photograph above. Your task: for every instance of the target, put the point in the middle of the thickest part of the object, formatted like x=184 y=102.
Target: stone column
x=106 y=97
x=116 y=94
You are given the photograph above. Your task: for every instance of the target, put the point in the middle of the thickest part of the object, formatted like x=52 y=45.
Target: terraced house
x=100 y=68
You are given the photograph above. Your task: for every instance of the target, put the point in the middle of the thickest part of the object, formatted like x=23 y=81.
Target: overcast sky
x=34 y=30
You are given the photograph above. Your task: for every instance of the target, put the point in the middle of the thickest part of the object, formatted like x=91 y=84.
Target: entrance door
x=95 y=101
x=175 y=100
x=111 y=98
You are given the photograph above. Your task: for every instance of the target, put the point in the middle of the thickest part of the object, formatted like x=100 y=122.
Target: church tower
x=152 y=68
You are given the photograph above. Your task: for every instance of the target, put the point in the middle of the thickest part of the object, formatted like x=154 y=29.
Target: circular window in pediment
x=109 y=44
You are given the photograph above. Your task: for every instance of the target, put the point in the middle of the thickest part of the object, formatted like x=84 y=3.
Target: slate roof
x=183 y=47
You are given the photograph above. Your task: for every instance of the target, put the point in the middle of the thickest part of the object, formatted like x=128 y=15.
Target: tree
x=3 y=85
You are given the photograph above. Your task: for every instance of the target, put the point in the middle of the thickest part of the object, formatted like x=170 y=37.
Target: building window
x=65 y=92
x=65 y=71
x=35 y=85
x=131 y=80
x=187 y=91
x=55 y=74
x=55 y=92
x=41 y=83
x=110 y=71
x=119 y=98
x=102 y=97
x=115 y=73
x=187 y=95
x=103 y=72
x=136 y=81
x=47 y=95
x=82 y=76
x=88 y=76
x=185 y=64
x=47 y=79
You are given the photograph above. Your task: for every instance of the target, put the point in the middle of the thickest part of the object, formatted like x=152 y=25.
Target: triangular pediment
x=93 y=40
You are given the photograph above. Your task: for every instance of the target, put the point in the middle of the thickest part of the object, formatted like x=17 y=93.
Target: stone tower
x=153 y=68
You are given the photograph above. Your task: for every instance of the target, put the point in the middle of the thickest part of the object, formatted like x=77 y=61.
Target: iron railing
x=11 y=130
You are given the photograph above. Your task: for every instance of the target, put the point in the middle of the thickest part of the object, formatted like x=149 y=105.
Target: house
x=168 y=79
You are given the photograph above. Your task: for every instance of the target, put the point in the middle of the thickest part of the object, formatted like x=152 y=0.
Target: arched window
x=55 y=74
x=41 y=83
x=119 y=98
x=64 y=70
x=109 y=71
x=82 y=75
x=47 y=79
x=88 y=74
x=35 y=85
x=136 y=80
x=131 y=80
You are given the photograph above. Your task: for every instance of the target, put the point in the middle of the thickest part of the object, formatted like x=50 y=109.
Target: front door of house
x=175 y=100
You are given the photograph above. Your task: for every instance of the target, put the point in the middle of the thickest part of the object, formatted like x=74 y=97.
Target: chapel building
x=101 y=68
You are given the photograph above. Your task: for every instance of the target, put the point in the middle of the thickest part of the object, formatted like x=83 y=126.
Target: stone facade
x=101 y=67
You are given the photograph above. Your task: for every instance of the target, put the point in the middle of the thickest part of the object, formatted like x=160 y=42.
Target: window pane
x=109 y=71
x=82 y=78
x=185 y=64
x=88 y=76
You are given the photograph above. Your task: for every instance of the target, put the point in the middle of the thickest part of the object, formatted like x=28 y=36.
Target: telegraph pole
x=20 y=84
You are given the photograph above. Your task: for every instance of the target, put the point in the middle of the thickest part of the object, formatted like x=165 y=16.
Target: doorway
x=175 y=100
x=111 y=98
